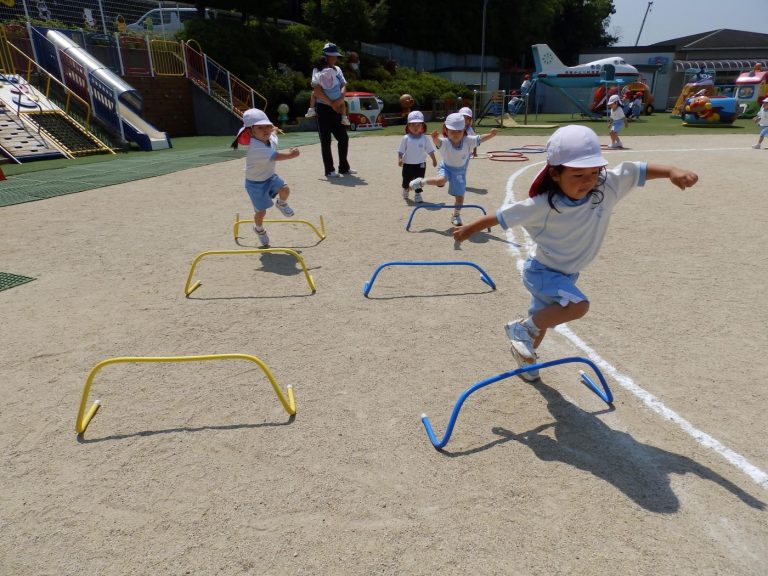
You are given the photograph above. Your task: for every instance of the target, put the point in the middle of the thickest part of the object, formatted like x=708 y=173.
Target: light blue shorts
x=549 y=286
x=262 y=193
x=455 y=176
x=763 y=131
x=617 y=125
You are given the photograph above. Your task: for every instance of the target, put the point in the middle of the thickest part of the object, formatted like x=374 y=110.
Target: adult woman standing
x=330 y=109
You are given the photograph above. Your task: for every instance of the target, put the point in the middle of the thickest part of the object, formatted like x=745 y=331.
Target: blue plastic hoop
x=604 y=394
x=483 y=275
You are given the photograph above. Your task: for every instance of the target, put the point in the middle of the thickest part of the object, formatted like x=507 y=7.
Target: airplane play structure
x=604 y=73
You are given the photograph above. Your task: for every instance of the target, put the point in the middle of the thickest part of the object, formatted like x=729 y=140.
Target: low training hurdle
x=188 y=288
x=440 y=207
x=483 y=275
x=83 y=419
x=320 y=233
x=604 y=394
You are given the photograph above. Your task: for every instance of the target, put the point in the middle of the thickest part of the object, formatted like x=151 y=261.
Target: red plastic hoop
x=506 y=156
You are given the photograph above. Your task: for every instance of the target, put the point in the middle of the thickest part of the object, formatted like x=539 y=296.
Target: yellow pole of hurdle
x=188 y=289
x=83 y=419
x=320 y=233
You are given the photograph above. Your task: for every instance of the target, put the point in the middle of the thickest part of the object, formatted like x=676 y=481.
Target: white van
x=166 y=21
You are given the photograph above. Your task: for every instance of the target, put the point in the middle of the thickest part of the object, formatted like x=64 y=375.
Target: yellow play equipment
x=189 y=287
x=320 y=233
x=688 y=91
x=83 y=418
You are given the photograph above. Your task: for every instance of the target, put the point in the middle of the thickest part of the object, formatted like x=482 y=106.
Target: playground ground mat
x=40 y=184
x=8 y=280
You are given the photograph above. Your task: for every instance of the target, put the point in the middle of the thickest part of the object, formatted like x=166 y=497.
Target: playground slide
x=116 y=104
x=138 y=130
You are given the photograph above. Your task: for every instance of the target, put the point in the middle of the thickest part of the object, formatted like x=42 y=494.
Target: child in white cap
x=762 y=120
x=261 y=182
x=455 y=148
x=616 y=120
x=412 y=154
x=566 y=215
x=467 y=113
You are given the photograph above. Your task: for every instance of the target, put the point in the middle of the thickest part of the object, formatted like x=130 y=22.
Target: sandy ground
x=195 y=468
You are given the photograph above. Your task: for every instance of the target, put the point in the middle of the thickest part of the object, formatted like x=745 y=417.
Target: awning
x=682 y=65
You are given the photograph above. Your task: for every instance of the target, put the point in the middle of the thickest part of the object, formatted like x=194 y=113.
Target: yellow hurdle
x=189 y=288
x=83 y=419
x=320 y=233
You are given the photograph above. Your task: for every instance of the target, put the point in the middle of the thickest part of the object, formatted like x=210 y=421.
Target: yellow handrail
x=188 y=288
x=320 y=233
x=84 y=419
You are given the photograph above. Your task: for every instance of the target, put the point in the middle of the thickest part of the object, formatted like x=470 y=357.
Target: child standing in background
x=567 y=215
x=467 y=113
x=412 y=154
x=455 y=148
x=762 y=120
x=261 y=182
x=617 y=120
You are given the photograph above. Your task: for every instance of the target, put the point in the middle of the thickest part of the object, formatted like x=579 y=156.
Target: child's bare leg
x=283 y=193
x=438 y=181
x=554 y=315
x=258 y=219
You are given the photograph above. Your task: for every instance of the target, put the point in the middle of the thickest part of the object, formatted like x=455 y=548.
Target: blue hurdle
x=440 y=207
x=483 y=275
x=604 y=394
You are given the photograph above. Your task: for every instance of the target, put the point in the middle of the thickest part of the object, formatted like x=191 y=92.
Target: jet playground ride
x=550 y=71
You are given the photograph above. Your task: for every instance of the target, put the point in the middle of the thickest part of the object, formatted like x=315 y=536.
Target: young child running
x=617 y=120
x=261 y=182
x=412 y=154
x=455 y=148
x=762 y=120
x=566 y=215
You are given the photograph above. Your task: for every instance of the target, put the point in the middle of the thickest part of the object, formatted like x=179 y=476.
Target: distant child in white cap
x=455 y=148
x=412 y=154
x=616 y=120
x=762 y=120
x=468 y=116
x=261 y=182
x=567 y=215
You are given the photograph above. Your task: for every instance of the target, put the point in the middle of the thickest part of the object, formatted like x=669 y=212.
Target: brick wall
x=167 y=103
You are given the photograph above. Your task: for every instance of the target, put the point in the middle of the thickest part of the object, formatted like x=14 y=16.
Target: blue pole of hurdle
x=604 y=393
x=483 y=275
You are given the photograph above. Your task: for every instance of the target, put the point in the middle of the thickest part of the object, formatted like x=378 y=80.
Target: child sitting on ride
x=412 y=154
x=455 y=148
x=617 y=120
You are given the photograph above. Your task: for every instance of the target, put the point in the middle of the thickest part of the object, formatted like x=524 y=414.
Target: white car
x=166 y=21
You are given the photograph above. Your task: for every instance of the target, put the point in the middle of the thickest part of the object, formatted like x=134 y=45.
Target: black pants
x=329 y=122
x=413 y=171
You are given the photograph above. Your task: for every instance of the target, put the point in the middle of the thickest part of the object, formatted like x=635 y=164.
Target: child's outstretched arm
x=489 y=135
x=461 y=233
x=680 y=177
x=434 y=160
x=435 y=139
x=287 y=154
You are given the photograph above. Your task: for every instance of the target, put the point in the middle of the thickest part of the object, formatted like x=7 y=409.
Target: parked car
x=166 y=21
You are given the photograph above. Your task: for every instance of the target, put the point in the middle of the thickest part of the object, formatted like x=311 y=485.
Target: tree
x=347 y=22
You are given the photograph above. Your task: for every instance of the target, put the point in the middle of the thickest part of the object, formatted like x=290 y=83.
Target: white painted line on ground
x=519 y=252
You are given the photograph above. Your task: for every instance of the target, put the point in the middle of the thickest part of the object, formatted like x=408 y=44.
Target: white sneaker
x=417 y=198
x=456 y=220
x=345 y=120
x=284 y=208
x=530 y=375
x=310 y=113
x=756 y=146
x=333 y=174
x=263 y=238
x=416 y=184
x=349 y=172
x=521 y=341
x=405 y=193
